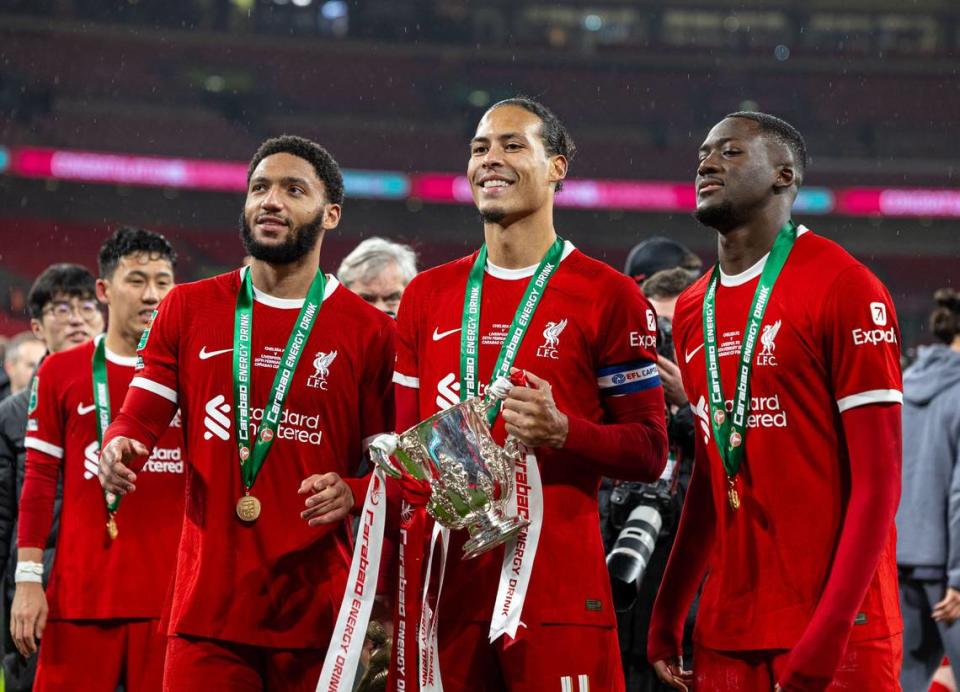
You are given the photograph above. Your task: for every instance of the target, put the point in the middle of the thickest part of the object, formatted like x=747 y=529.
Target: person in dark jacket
x=928 y=520
x=63 y=313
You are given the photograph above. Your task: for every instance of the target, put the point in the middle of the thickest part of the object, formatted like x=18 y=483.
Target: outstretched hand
x=115 y=460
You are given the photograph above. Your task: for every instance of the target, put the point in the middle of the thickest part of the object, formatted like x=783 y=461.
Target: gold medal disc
x=248 y=508
x=112 y=530
x=732 y=495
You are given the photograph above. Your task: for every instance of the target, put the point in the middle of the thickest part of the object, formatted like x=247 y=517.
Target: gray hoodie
x=928 y=519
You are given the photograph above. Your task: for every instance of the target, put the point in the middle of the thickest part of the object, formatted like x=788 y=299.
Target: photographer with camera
x=640 y=519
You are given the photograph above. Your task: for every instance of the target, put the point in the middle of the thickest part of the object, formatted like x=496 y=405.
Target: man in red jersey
x=789 y=352
x=585 y=338
x=113 y=561
x=280 y=374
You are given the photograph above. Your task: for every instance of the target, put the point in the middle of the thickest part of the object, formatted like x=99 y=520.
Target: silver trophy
x=470 y=475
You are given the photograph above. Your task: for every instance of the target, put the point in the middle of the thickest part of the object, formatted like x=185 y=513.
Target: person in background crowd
x=114 y=561
x=22 y=356
x=378 y=271
x=63 y=312
x=655 y=254
x=662 y=289
x=928 y=519
x=4 y=378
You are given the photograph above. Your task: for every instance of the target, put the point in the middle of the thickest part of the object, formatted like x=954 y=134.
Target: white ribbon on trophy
x=525 y=501
x=343 y=654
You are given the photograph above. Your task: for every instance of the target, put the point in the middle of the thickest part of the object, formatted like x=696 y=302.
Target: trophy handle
x=380 y=451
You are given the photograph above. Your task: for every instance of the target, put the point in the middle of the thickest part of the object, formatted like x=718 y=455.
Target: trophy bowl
x=470 y=475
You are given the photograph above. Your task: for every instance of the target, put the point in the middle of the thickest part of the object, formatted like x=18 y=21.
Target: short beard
x=298 y=244
x=721 y=216
x=493 y=215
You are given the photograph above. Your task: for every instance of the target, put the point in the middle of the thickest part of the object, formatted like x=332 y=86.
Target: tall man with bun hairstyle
x=535 y=614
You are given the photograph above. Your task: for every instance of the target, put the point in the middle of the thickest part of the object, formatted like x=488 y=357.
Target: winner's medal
x=252 y=457
x=248 y=508
x=101 y=401
x=729 y=430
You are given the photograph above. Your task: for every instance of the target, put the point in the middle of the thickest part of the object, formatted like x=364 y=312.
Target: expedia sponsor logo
x=641 y=340
x=874 y=337
x=878 y=311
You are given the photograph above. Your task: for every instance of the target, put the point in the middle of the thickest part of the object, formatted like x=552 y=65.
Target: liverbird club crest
x=321 y=367
x=767 y=344
x=551 y=340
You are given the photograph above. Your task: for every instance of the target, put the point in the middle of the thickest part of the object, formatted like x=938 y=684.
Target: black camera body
x=640 y=512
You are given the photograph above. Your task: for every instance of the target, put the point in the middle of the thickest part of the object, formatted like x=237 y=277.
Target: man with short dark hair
x=108 y=583
x=281 y=374
x=535 y=614
x=63 y=312
x=789 y=351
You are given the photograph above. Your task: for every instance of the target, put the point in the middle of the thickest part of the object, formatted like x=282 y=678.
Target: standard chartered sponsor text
x=765 y=412
x=294 y=426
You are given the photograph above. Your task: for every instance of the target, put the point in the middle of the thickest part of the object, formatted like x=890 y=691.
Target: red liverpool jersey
x=593 y=338
x=93 y=576
x=276 y=581
x=829 y=342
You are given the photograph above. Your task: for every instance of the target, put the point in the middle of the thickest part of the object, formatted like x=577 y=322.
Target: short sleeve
x=406 y=372
x=45 y=420
x=376 y=398
x=862 y=340
x=158 y=351
x=627 y=333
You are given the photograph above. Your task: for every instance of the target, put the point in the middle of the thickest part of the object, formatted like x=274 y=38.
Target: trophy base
x=489 y=531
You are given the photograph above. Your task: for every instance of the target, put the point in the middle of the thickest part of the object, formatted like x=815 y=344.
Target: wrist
x=29 y=572
x=563 y=431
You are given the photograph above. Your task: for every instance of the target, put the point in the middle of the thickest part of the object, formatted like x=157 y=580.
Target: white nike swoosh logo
x=204 y=353
x=439 y=335
x=84 y=410
x=690 y=354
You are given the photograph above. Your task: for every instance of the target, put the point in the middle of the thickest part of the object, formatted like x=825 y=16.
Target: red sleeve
x=407 y=369
x=376 y=400
x=631 y=443
x=687 y=564
x=873 y=436
x=44 y=443
x=862 y=340
x=152 y=398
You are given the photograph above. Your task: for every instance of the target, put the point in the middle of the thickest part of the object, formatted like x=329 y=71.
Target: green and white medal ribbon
x=252 y=457
x=101 y=402
x=729 y=429
x=470 y=332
